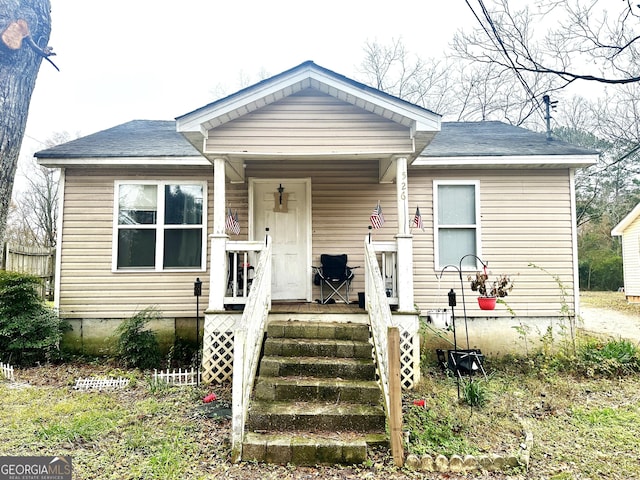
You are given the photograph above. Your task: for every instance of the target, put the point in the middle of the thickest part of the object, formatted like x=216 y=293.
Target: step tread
x=321 y=347
x=330 y=409
x=317 y=341
x=319 y=360
x=317 y=323
x=312 y=329
x=310 y=448
x=319 y=381
x=318 y=437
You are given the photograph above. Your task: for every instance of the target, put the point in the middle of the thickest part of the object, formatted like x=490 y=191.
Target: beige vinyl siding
x=309 y=122
x=631 y=258
x=525 y=219
x=88 y=287
x=343 y=197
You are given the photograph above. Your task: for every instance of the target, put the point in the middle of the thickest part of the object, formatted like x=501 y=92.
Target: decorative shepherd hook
x=452 y=302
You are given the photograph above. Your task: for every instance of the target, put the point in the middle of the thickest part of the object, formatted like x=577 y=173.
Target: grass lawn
x=585 y=423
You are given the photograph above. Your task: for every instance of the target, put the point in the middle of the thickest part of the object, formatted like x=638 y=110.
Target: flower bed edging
x=427 y=463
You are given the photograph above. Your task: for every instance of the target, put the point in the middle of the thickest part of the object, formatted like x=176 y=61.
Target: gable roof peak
x=306 y=75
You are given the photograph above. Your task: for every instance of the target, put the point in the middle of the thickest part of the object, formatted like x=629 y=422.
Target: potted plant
x=490 y=290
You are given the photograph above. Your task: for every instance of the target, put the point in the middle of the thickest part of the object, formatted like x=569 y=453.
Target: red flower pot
x=487 y=303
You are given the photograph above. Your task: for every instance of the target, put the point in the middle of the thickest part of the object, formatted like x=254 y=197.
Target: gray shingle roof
x=137 y=138
x=158 y=138
x=469 y=139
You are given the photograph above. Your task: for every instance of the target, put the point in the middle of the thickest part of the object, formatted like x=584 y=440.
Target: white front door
x=289 y=225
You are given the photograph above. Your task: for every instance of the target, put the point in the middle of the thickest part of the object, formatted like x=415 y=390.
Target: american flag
x=417 y=220
x=232 y=223
x=377 y=219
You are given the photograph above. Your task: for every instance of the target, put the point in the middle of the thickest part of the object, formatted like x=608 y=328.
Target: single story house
x=296 y=164
x=240 y=201
x=629 y=230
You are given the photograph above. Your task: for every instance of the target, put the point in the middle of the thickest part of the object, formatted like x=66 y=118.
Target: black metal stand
x=197 y=292
x=470 y=357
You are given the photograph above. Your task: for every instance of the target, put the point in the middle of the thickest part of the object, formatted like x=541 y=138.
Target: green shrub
x=29 y=330
x=137 y=346
x=614 y=357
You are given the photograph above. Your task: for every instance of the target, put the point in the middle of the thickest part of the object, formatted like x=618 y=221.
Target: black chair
x=335 y=274
x=462 y=362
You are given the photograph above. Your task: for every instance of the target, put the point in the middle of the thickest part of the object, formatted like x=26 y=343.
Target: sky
x=122 y=60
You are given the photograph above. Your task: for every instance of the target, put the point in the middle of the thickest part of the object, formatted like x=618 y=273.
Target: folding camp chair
x=462 y=362
x=335 y=274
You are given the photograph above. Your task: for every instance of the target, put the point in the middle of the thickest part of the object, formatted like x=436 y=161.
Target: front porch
x=381 y=271
x=233 y=339
x=271 y=145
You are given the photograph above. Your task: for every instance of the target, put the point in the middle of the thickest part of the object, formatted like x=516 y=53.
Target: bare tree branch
x=586 y=43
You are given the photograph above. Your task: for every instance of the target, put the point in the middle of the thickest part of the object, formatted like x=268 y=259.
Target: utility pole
x=549 y=105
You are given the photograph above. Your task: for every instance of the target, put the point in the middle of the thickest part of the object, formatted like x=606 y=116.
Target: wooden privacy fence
x=38 y=261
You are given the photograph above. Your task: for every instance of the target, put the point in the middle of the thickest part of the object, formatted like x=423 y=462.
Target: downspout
x=58 y=265
x=574 y=245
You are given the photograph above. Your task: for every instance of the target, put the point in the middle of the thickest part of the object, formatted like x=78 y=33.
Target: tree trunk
x=18 y=71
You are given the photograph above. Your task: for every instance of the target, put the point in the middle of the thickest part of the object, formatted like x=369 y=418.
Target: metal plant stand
x=467 y=360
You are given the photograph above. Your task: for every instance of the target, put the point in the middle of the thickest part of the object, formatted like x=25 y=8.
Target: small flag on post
x=377 y=219
x=417 y=220
x=232 y=223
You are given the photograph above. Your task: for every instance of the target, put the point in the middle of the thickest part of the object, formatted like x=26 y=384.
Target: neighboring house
x=629 y=230
x=144 y=208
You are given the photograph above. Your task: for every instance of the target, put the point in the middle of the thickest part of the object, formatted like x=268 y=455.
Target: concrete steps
x=316 y=400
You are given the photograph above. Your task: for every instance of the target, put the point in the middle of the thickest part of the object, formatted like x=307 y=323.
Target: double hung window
x=159 y=225
x=457 y=225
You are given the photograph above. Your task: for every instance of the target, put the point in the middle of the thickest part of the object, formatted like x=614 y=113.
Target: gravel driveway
x=612 y=323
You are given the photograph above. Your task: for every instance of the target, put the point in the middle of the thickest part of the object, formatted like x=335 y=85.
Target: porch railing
x=239 y=270
x=388 y=253
x=247 y=344
x=379 y=316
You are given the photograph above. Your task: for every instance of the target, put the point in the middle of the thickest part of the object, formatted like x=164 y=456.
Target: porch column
x=217 y=261
x=404 y=239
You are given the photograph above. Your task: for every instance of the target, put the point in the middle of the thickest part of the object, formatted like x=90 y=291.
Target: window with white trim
x=159 y=225
x=456 y=222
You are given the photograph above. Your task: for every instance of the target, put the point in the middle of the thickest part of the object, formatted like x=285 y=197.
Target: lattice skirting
x=217 y=347
x=409 y=350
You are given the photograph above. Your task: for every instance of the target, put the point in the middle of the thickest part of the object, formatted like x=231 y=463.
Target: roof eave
x=619 y=229
x=497 y=161
x=114 y=161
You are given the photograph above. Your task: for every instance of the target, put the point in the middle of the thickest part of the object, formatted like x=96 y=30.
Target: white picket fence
x=6 y=371
x=100 y=383
x=177 y=377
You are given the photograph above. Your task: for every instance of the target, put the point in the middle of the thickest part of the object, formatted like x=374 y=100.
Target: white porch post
x=404 y=239
x=217 y=282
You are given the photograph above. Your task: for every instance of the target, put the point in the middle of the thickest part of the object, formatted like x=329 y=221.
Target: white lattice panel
x=407 y=371
x=217 y=348
x=409 y=350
